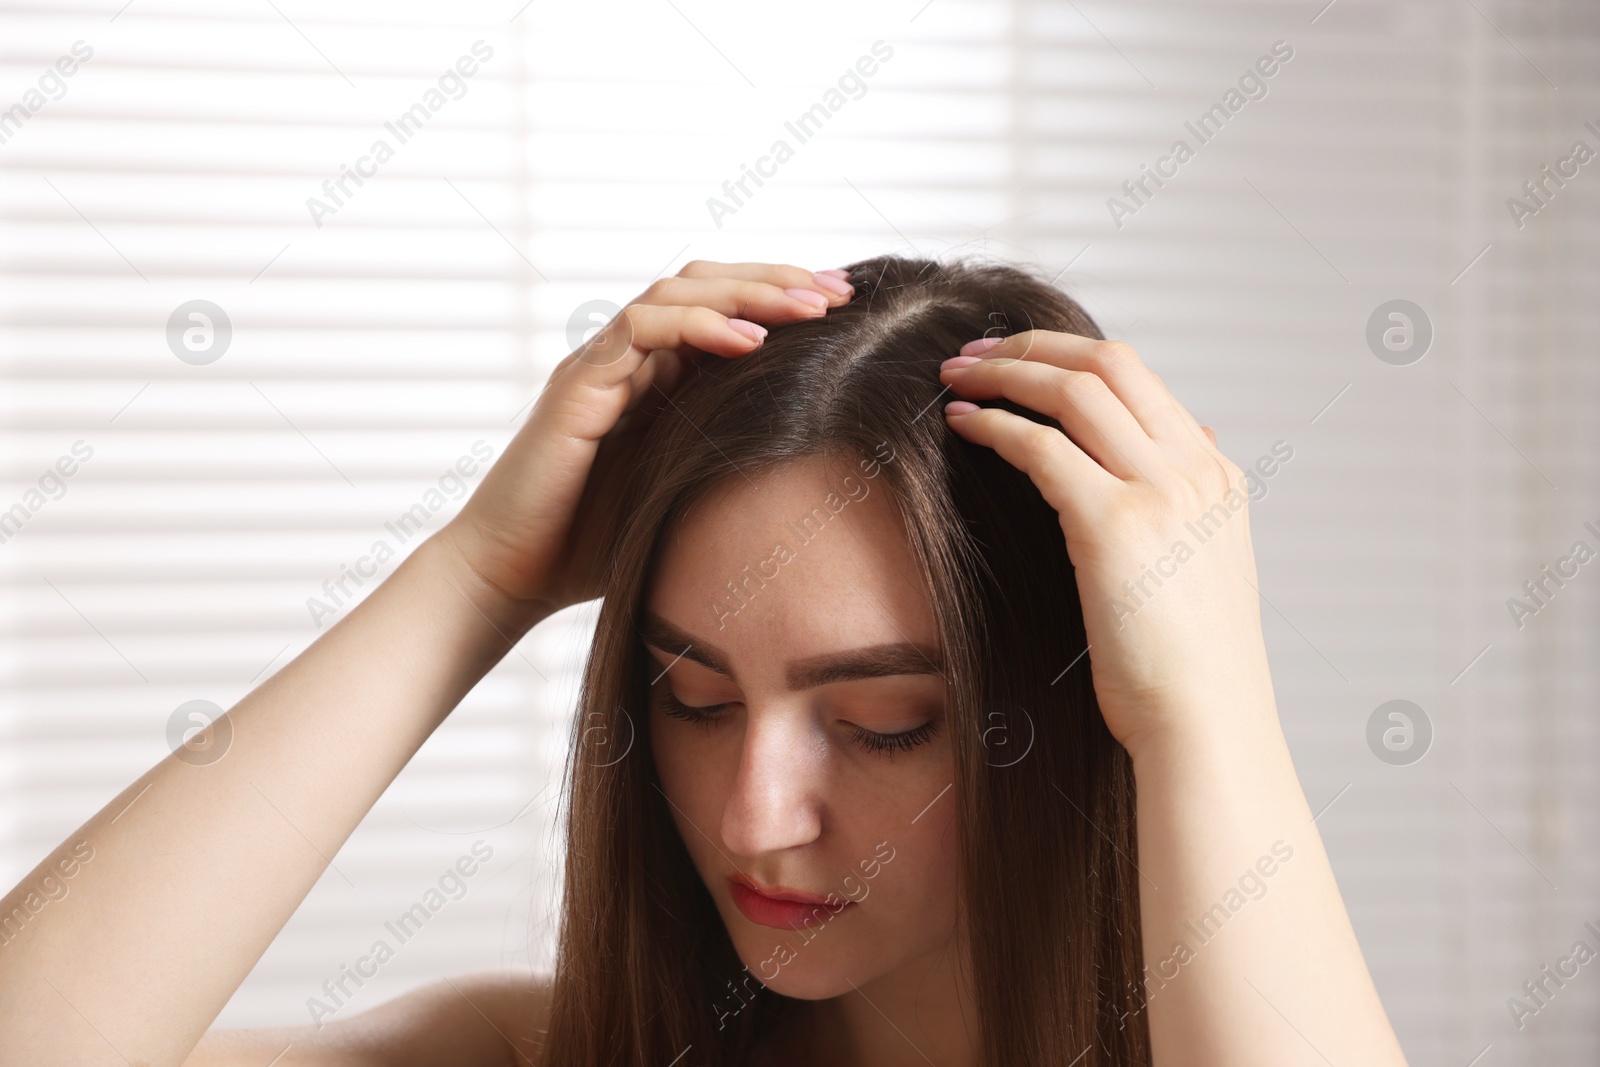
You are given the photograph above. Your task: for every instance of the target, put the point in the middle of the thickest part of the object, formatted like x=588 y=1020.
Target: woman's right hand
x=536 y=529
x=198 y=864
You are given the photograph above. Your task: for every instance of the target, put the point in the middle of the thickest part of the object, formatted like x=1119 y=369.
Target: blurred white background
x=373 y=342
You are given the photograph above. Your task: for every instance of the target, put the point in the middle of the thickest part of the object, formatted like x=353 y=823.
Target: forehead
x=805 y=558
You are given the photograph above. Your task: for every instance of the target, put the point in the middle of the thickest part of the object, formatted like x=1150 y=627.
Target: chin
x=819 y=969
x=808 y=975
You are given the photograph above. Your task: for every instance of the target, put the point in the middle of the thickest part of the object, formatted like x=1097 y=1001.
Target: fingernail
x=835 y=272
x=959 y=361
x=749 y=329
x=981 y=345
x=959 y=407
x=809 y=296
x=833 y=283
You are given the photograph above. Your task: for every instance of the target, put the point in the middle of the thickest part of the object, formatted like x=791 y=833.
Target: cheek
x=917 y=887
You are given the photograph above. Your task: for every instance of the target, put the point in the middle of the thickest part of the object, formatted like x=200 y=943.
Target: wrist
x=1217 y=729
x=443 y=555
x=1216 y=796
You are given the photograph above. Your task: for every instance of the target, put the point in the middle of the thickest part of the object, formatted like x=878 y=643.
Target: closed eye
x=881 y=744
x=700 y=714
x=889 y=744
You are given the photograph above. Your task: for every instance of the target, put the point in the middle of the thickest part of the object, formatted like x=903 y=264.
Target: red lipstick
x=783 y=909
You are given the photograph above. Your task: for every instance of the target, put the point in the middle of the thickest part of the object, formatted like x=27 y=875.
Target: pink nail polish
x=833 y=284
x=955 y=362
x=835 y=272
x=750 y=329
x=959 y=407
x=980 y=346
x=809 y=296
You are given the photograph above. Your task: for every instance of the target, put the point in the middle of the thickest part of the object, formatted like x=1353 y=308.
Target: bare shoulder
x=479 y=1020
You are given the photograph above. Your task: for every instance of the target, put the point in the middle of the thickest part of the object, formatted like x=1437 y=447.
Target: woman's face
x=790 y=609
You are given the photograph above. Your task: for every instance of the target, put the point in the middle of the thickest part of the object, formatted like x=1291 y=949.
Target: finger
x=619 y=349
x=1094 y=417
x=783 y=275
x=737 y=298
x=657 y=379
x=698 y=327
x=1116 y=363
x=1193 y=427
x=1070 y=480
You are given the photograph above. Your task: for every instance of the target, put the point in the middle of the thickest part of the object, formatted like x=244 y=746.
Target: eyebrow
x=870 y=661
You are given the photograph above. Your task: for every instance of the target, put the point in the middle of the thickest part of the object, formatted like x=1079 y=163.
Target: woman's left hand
x=1156 y=523
x=1159 y=536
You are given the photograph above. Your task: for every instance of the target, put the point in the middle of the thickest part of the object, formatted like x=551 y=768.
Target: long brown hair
x=1049 y=892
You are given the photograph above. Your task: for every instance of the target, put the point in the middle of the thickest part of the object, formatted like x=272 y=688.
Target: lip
x=781 y=908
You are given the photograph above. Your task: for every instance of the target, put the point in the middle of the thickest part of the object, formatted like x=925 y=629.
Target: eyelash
x=879 y=744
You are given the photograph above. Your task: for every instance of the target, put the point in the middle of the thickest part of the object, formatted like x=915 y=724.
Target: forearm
x=195 y=869
x=1250 y=956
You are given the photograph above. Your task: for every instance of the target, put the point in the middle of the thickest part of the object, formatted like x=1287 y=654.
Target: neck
x=920 y=1014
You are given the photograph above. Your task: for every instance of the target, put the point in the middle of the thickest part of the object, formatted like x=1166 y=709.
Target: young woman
x=935 y=618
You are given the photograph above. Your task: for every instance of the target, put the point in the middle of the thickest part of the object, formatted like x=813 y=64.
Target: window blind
x=387 y=311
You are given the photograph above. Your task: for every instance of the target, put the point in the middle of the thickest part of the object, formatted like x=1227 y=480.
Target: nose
x=777 y=796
